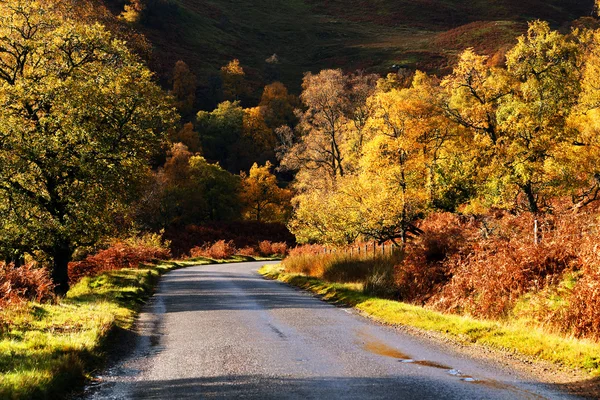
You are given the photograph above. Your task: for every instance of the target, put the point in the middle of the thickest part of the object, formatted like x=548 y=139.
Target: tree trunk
x=61 y=256
x=533 y=205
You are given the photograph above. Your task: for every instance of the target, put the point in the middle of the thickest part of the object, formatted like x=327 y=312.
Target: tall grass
x=375 y=273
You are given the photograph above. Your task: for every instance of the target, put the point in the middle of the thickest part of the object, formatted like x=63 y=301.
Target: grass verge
x=46 y=350
x=518 y=338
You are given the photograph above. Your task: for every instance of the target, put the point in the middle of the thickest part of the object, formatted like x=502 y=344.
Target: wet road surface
x=222 y=331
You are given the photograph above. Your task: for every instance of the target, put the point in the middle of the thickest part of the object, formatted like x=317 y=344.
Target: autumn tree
x=545 y=66
x=475 y=91
x=233 y=79
x=278 y=106
x=262 y=198
x=327 y=130
x=189 y=137
x=132 y=12
x=258 y=140
x=396 y=179
x=322 y=124
x=79 y=117
x=189 y=190
x=184 y=88
x=577 y=165
x=517 y=117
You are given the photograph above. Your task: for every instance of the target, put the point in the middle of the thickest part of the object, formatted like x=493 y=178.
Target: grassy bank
x=47 y=350
x=519 y=338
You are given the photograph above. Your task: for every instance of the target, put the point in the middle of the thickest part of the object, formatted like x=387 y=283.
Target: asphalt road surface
x=222 y=331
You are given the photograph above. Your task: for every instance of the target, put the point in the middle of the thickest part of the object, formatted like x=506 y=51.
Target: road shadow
x=261 y=387
x=589 y=388
x=210 y=291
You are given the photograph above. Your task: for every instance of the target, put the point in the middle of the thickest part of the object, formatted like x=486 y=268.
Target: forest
x=482 y=177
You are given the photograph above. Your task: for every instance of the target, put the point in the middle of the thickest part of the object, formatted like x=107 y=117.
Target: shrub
x=424 y=269
x=248 y=251
x=219 y=250
x=267 y=249
x=25 y=283
x=498 y=270
x=582 y=316
x=243 y=234
x=280 y=248
x=127 y=253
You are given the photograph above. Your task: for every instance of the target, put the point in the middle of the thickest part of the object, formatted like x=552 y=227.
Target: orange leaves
x=121 y=254
x=25 y=283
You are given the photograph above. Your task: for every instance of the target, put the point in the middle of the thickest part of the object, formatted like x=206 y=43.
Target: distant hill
x=308 y=35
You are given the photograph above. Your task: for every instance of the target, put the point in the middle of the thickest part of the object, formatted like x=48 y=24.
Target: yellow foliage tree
x=233 y=79
x=262 y=198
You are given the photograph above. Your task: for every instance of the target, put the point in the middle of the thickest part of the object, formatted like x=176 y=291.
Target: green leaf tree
x=79 y=118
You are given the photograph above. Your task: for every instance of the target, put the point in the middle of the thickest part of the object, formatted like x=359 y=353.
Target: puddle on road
x=426 y=363
x=375 y=346
x=382 y=349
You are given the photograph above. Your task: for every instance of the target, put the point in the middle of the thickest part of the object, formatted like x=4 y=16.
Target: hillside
x=314 y=34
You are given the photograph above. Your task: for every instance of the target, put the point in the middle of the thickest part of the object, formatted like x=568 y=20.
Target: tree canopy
x=79 y=118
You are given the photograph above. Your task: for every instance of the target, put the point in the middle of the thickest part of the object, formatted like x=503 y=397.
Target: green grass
x=517 y=337
x=47 y=350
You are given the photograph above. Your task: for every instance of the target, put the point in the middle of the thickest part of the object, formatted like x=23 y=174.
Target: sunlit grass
x=47 y=349
x=518 y=336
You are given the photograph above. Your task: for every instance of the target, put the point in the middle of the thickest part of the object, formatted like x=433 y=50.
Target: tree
x=188 y=190
x=184 y=88
x=278 y=106
x=220 y=132
x=517 y=118
x=322 y=125
x=474 y=94
x=577 y=165
x=533 y=118
x=258 y=141
x=233 y=79
x=189 y=137
x=79 y=118
x=262 y=198
x=132 y=12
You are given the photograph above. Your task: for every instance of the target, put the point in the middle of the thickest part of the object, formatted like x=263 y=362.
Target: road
x=222 y=331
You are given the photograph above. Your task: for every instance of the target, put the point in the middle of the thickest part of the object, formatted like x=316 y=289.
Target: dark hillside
x=309 y=35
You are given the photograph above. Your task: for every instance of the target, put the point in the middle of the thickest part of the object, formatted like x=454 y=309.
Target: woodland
x=480 y=166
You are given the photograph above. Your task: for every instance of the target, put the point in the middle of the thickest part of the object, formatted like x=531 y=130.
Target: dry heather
x=485 y=266
x=25 y=283
x=121 y=254
x=219 y=250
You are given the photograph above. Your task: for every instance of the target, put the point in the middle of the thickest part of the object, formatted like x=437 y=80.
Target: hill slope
x=314 y=34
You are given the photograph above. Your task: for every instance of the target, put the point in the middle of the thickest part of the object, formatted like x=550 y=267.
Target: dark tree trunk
x=60 y=268
x=17 y=261
x=533 y=205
